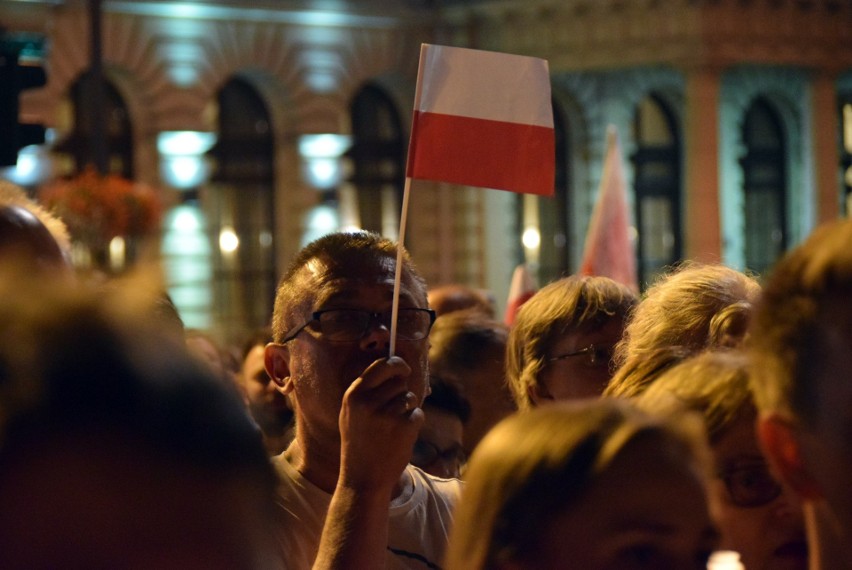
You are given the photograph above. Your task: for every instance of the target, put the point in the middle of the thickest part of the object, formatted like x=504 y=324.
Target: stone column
x=825 y=157
x=702 y=227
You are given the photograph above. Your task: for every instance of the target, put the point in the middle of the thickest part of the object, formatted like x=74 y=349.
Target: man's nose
x=378 y=333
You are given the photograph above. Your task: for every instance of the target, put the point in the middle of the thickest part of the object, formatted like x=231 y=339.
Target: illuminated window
x=378 y=155
x=657 y=181
x=78 y=145
x=764 y=186
x=240 y=209
x=551 y=216
x=846 y=152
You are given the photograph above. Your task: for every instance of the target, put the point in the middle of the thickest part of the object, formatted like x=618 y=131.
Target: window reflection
x=657 y=181
x=764 y=185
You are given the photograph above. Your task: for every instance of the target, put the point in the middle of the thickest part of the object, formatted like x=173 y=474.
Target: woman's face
x=647 y=510
x=756 y=516
x=573 y=371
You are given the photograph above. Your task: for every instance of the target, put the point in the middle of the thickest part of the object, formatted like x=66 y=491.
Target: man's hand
x=379 y=421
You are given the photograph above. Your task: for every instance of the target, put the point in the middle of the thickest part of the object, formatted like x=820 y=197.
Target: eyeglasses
x=349 y=325
x=594 y=355
x=751 y=485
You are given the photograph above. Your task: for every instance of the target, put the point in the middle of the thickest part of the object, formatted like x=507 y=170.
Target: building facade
x=272 y=122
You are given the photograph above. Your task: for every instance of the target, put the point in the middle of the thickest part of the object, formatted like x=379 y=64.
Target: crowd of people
x=702 y=424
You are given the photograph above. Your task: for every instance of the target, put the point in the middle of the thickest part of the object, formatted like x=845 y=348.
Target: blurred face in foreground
x=647 y=510
x=104 y=502
x=757 y=517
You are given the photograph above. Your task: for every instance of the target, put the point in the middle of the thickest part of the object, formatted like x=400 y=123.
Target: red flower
x=98 y=208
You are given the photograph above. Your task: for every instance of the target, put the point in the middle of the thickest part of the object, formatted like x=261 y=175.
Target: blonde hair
x=697 y=306
x=713 y=383
x=532 y=466
x=569 y=304
x=638 y=373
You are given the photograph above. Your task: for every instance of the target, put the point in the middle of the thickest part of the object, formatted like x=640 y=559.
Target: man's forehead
x=332 y=279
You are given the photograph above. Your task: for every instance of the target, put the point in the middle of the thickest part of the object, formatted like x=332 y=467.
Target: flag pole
x=403 y=219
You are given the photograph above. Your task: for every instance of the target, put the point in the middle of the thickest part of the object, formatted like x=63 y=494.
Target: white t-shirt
x=419 y=524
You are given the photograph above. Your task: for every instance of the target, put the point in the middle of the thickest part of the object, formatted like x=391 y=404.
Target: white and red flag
x=480 y=119
x=520 y=291
x=609 y=247
x=483 y=119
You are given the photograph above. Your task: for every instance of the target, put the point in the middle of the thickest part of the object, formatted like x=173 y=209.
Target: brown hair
x=569 y=304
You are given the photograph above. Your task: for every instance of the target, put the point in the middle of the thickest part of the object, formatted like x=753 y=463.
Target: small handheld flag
x=483 y=119
x=480 y=119
x=521 y=290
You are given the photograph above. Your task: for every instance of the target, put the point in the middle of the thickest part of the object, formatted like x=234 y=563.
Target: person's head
x=438 y=449
x=756 y=515
x=562 y=339
x=218 y=357
x=270 y=408
x=332 y=319
x=117 y=449
x=592 y=484
x=469 y=349
x=696 y=306
x=458 y=297
x=29 y=234
x=802 y=360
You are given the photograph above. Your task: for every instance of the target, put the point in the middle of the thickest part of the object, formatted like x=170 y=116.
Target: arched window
x=79 y=144
x=378 y=154
x=550 y=215
x=846 y=150
x=764 y=186
x=240 y=209
x=657 y=181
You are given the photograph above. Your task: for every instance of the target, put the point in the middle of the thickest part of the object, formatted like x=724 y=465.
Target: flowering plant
x=98 y=208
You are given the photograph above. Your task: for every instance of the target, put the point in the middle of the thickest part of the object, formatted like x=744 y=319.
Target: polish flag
x=609 y=249
x=483 y=119
x=520 y=291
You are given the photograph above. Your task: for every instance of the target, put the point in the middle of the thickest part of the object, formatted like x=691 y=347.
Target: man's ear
x=276 y=360
x=782 y=445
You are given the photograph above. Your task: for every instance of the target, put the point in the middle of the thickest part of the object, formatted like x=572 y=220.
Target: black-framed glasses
x=751 y=485
x=349 y=325
x=594 y=355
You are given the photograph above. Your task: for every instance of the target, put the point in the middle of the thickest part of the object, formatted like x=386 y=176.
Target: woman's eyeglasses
x=593 y=355
x=751 y=485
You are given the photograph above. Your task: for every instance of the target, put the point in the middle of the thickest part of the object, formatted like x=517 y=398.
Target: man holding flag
x=349 y=498
x=357 y=411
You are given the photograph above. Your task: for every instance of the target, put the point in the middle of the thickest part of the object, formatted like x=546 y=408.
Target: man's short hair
x=333 y=249
x=574 y=303
x=445 y=299
x=808 y=293
x=460 y=341
x=447 y=396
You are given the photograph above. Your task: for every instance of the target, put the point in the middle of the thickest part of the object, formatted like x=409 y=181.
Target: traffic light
x=20 y=69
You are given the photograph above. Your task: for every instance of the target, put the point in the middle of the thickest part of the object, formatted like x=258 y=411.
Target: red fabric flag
x=520 y=291
x=483 y=119
x=609 y=249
